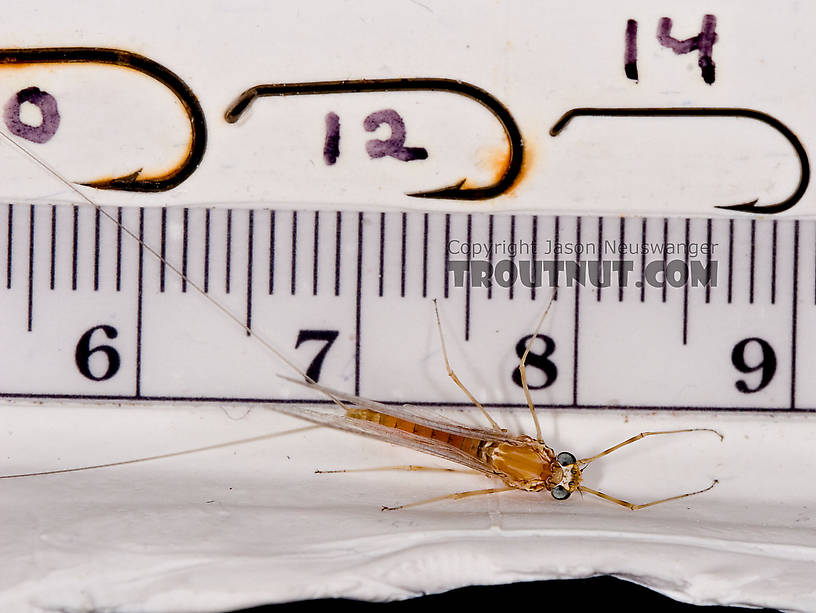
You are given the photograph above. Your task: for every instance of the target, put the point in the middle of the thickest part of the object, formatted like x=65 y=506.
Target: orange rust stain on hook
x=496 y=159
x=17 y=67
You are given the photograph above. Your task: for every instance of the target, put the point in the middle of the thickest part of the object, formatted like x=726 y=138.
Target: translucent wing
x=409 y=413
x=329 y=416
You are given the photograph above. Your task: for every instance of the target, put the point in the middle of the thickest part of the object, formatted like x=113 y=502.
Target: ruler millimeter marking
x=619 y=343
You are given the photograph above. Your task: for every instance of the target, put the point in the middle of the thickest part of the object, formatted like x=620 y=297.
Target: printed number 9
x=767 y=364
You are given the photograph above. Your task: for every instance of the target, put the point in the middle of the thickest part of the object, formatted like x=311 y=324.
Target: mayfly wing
x=410 y=413
x=328 y=417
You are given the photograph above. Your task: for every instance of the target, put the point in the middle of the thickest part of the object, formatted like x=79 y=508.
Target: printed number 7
x=328 y=337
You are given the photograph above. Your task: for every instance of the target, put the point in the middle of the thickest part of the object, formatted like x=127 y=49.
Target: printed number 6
x=84 y=352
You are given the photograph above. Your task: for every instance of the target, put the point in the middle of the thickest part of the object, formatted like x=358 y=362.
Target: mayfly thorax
x=520 y=462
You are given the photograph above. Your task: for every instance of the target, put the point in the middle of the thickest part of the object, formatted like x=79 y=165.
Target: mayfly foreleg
x=457 y=496
x=635 y=507
x=407 y=467
x=453 y=376
x=637 y=437
x=523 y=369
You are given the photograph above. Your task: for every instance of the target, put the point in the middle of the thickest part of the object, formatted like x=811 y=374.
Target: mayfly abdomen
x=470 y=446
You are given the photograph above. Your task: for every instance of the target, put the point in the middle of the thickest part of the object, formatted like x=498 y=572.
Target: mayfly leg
x=629 y=441
x=523 y=369
x=636 y=507
x=453 y=376
x=637 y=437
x=457 y=496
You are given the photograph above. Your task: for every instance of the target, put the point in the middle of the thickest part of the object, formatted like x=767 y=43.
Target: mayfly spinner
x=520 y=461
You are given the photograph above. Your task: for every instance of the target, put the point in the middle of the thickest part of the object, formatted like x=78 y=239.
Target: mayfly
x=521 y=462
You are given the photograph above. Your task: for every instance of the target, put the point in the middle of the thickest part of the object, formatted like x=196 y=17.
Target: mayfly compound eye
x=560 y=492
x=565 y=458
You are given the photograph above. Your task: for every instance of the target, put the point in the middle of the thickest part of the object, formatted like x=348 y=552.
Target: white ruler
x=91 y=314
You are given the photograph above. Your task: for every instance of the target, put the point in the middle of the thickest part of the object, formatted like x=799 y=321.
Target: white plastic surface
x=252 y=524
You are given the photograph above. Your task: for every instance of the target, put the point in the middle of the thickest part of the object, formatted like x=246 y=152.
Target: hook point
x=442 y=192
x=746 y=207
x=130 y=182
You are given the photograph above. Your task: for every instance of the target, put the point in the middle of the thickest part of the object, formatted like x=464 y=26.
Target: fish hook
x=132 y=182
x=746 y=207
x=456 y=191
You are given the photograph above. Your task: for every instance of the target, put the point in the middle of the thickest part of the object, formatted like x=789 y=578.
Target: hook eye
x=565 y=458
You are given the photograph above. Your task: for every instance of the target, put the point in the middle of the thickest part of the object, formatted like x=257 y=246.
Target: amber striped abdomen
x=466 y=444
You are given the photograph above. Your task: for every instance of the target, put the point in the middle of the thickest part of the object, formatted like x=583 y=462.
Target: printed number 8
x=540 y=361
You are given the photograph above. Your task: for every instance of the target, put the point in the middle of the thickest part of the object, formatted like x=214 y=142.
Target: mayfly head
x=566 y=476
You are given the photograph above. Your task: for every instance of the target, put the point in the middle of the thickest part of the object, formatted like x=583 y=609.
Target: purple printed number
x=395 y=145
x=630 y=55
x=48 y=109
x=703 y=42
x=331 y=146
